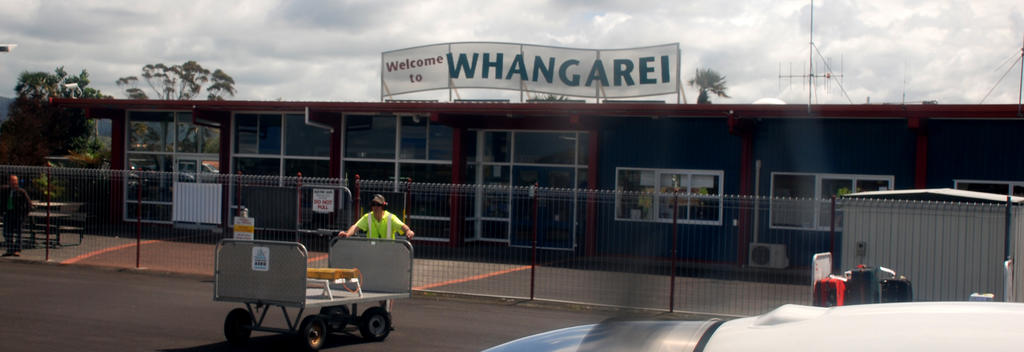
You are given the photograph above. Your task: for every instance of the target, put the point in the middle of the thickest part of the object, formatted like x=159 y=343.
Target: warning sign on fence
x=323 y=200
x=244 y=228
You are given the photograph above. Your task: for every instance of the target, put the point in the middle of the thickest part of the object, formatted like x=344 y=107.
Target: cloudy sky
x=890 y=51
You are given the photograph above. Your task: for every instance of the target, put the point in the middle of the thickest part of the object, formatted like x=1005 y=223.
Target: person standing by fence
x=15 y=206
x=379 y=223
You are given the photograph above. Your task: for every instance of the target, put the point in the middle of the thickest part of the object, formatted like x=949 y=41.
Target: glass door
x=555 y=211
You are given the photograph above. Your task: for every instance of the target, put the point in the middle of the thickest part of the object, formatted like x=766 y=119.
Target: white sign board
x=323 y=200
x=260 y=258
x=821 y=266
x=244 y=228
x=617 y=73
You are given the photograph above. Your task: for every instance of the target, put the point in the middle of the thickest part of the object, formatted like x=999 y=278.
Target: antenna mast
x=810 y=75
x=810 y=62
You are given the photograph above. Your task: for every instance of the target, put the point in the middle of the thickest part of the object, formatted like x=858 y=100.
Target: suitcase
x=896 y=290
x=862 y=286
x=829 y=292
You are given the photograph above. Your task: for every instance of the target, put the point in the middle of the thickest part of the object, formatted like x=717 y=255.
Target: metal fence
x=727 y=255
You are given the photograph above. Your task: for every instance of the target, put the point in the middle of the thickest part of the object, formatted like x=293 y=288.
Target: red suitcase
x=829 y=292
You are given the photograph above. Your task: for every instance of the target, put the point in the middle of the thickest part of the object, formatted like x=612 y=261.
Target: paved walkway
x=608 y=288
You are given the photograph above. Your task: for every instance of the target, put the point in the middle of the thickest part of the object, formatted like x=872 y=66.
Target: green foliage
x=179 y=82
x=54 y=189
x=708 y=81
x=35 y=128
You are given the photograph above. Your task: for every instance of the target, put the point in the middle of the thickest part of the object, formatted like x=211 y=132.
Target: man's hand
x=342 y=233
x=409 y=234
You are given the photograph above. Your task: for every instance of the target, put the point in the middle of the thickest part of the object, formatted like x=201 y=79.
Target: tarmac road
x=49 y=307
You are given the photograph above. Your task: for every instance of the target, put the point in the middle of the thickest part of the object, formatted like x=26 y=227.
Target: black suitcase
x=896 y=290
x=862 y=286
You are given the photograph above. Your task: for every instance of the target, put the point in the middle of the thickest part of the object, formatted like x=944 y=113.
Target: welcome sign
x=617 y=73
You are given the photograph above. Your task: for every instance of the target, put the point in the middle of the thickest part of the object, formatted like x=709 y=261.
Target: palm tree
x=707 y=80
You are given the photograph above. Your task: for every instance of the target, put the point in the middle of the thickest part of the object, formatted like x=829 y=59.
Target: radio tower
x=811 y=75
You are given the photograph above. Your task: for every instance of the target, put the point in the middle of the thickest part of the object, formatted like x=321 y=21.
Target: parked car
x=918 y=326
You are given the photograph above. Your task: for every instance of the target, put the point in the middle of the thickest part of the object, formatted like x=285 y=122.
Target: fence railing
x=730 y=255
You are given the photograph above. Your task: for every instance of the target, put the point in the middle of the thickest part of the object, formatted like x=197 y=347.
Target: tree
x=36 y=129
x=179 y=82
x=707 y=80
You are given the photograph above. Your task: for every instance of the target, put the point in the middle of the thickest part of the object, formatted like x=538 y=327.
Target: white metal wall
x=947 y=250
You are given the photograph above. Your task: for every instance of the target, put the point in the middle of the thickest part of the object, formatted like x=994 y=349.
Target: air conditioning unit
x=768 y=255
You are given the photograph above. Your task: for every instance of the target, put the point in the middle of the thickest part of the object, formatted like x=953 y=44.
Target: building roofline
x=990 y=111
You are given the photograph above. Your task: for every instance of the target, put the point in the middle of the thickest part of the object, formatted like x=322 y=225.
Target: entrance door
x=197 y=196
x=556 y=223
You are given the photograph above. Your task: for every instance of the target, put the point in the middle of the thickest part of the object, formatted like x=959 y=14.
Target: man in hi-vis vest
x=379 y=223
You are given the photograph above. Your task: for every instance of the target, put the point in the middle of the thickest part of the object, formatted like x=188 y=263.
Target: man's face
x=13 y=181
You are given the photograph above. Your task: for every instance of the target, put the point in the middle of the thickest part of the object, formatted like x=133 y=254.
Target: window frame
x=169 y=152
x=1009 y=185
x=281 y=156
x=817 y=199
x=719 y=176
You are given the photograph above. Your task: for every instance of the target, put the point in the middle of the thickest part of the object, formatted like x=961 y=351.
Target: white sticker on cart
x=260 y=258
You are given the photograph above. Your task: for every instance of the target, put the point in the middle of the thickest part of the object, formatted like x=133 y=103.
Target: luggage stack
x=862 y=285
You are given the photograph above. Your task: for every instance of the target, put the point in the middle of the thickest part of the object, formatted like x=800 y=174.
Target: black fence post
x=355 y=201
x=533 y=255
x=138 y=222
x=298 y=208
x=49 y=193
x=675 y=249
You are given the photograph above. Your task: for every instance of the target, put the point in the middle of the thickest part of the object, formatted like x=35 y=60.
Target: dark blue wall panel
x=864 y=147
x=976 y=149
x=670 y=143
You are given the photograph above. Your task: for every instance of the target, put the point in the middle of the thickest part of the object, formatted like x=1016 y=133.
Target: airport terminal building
x=799 y=151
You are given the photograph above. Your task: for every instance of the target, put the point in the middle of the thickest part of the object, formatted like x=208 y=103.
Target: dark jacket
x=22 y=204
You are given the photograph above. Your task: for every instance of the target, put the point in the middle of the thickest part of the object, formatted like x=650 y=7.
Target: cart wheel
x=238 y=326
x=313 y=332
x=375 y=324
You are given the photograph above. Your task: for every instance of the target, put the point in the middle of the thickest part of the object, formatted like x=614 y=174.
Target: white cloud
x=926 y=50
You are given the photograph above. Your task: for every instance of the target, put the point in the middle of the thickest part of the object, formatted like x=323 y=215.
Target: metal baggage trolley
x=263 y=274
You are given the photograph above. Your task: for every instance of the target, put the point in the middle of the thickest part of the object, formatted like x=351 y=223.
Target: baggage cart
x=266 y=274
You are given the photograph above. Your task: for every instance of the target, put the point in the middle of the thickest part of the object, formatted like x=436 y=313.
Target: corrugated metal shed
x=937 y=195
x=949 y=243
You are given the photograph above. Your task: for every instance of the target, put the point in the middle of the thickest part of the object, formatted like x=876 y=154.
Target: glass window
x=414 y=137
x=151 y=131
x=188 y=137
x=270 y=134
x=211 y=140
x=581 y=178
x=495 y=200
x=369 y=170
x=427 y=173
x=441 y=142
x=634 y=199
x=308 y=167
x=156 y=187
x=994 y=188
x=803 y=201
x=246 y=132
x=696 y=192
x=545 y=148
x=872 y=185
x=469 y=145
x=258 y=166
x=370 y=137
x=306 y=140
x=496 y=147
x=584 y=149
